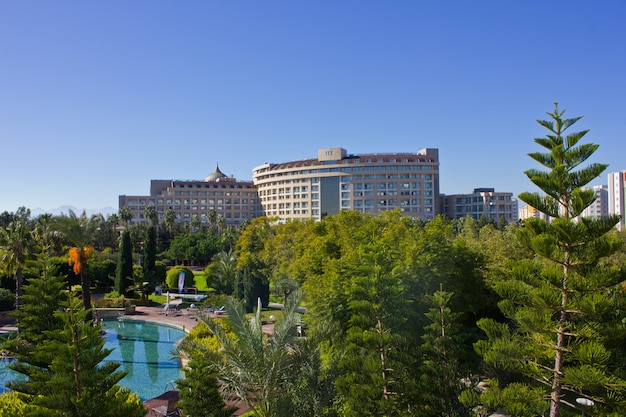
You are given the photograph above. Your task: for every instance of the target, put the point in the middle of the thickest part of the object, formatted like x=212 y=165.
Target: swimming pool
x=145 y=351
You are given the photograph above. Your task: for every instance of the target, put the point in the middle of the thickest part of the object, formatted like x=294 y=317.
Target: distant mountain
x=65 y=209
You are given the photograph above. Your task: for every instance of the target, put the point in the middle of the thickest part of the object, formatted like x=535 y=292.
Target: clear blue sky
x=99 y=97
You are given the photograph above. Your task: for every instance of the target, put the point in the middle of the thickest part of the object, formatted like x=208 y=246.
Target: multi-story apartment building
x=482 y=202
x=234 y=200
x=616 y=195
x=599 y=209
x=336 y=180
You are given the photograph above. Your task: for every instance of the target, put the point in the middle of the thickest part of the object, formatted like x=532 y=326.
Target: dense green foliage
x=200 y=390
x=149 y=261
x=124 y=273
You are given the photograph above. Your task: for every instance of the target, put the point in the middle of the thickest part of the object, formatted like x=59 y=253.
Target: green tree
x=150 y=213
x=221 y=274
x=255 y=271
x=195 y=224
x=149 y=261
x=15 y=247
x=167 y=233
x=211 y=217
x=200 y=389
x=221 y=224
x=124 y=273
x=441 y=373
x=78 y=381
x=125 y=215
x=559 y=304
x=254 y=366
x=42 y=298
x=284 y=287
x=195 y=248
x=79 y=232
x=171 y=280
x=43 y=230
x=107 y=235
x=361 y=281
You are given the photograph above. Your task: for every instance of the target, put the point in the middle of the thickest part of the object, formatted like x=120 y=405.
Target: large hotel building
x=236 y=201
x=318 y=187
x=483 y=202
x=336 y=180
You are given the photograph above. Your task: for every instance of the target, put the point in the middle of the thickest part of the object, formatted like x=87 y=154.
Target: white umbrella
x=167 y=303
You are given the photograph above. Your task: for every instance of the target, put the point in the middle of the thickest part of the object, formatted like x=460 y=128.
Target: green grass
x=200 y=281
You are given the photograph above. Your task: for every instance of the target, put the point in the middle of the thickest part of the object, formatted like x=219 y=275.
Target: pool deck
x=179 y=319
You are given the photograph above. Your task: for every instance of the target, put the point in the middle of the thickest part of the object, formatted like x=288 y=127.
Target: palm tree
x=79 y=232
x=222 y=272
x=150 y=213
x=45 y=233
x=170 y=218
x=229 y=237
x=125 y=215
x=195 y=223
x=255 y=366
x=211 y=217
x=16 y=242
x=221 y=224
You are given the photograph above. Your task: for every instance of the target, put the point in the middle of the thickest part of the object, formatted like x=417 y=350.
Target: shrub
x=112 y=302
x=171 y=280
x=7 y=299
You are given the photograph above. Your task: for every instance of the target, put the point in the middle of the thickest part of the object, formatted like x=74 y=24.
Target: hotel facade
x=483 y=202
x=323 y=186
x=235 y=201
x=336 y=181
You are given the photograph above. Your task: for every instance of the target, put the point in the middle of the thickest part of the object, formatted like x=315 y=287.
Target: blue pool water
x=145 y=352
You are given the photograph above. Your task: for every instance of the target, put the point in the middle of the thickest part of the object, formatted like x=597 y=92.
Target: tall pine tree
x=559 y=304
x=78 y=382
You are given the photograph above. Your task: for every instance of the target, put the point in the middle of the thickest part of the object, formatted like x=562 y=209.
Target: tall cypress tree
x=559 y=304
x=124 y=273
x=149 y=260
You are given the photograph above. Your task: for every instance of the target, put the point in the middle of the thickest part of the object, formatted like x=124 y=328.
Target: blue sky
x=98 y=98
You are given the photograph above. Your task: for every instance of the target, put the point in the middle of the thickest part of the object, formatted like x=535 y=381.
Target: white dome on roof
x=215 y=175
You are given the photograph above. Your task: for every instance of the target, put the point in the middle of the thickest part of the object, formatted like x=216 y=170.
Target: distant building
x=599 y=209
x=616 y=194
x=336 y=181
x=234 y=200
x=482 y=202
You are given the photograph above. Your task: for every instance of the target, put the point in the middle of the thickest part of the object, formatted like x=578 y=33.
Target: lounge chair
x=169 y=410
